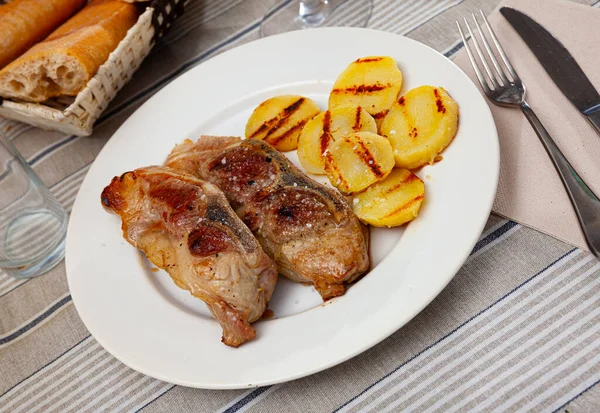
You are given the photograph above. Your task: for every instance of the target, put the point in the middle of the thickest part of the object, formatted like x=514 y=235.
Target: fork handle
x=585 y=202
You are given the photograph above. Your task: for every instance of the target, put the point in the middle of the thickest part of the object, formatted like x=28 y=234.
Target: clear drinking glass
x=33 y=225
x=288 y=15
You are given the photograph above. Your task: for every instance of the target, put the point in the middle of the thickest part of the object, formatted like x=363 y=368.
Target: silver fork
x=504 y=87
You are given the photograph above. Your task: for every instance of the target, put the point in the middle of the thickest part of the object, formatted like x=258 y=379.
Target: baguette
x=23 y=23
x=67 y=59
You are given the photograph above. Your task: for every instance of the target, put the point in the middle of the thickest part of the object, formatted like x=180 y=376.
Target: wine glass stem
x=312 y=13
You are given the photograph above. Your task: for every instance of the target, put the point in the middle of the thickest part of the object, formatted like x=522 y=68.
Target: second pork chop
x=307 y=228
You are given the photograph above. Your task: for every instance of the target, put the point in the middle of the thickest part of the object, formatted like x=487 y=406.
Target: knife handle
x=594 y=119
x=585 y=202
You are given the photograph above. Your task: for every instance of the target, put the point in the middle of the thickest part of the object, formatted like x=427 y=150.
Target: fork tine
x=491 y=55
x=478 y=72
x=491 y=76
x=499 y=48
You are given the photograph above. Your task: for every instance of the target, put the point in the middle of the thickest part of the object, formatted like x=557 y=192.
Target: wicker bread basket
x=77 y=115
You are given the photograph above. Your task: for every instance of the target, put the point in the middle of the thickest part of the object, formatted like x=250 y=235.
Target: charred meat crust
x=207 y=240
x=269 y=171
x=290 y=176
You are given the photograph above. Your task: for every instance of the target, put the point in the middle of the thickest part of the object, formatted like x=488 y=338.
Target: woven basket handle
x=165 y=13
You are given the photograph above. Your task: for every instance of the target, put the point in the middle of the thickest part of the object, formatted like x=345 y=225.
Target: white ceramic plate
x=145 y=321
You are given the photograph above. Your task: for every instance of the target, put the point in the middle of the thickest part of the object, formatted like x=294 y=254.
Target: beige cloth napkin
x=530 y=191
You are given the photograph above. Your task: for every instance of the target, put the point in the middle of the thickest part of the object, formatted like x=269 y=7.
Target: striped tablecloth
x=518 y=328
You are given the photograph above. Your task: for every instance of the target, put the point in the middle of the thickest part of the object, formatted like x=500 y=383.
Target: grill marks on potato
x=271 y=125
x=380 y=115
x=403 y=208
x=413 y=133
x=325 y=137
x=438 y=101
x=420 y=125
x=297 y=128
x=368 y=59
x=263 y=128
x=392 y=201
x=357 y=120
x=411 y=177
x=411 y=130
x=372 y=82
x=361 y=89
x=333 y=170
x=358 y=160
x=367 y=157
x=327 y=127
x=279 y=120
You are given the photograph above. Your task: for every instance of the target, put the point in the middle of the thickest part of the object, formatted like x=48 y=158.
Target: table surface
x=517 y=329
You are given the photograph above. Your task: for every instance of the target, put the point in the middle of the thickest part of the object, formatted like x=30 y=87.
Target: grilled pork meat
x=186 y=227
x=308 y=229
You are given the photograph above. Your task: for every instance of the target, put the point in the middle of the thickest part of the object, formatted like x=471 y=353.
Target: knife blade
x=558 y=63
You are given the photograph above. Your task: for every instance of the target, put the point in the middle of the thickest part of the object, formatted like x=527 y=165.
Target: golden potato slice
x=421 y=125
x=326 y=127
x=358 y=160
x=279 y=120
x=392 y=202
x=372 y=82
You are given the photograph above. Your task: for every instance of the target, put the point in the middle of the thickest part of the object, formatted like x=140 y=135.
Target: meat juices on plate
x=186 y=227
x=307 y=228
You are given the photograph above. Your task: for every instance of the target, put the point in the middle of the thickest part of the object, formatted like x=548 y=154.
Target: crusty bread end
x=36 y=80
x=68 y=58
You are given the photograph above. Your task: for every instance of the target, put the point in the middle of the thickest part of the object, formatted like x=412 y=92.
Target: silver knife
x=558 y=63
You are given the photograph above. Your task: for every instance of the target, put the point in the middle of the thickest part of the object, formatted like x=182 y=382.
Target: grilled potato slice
x=358 y=160
x=392 y=202
x=371 y=82
x=329 y=126
x=279 y=120
x=420 y=125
